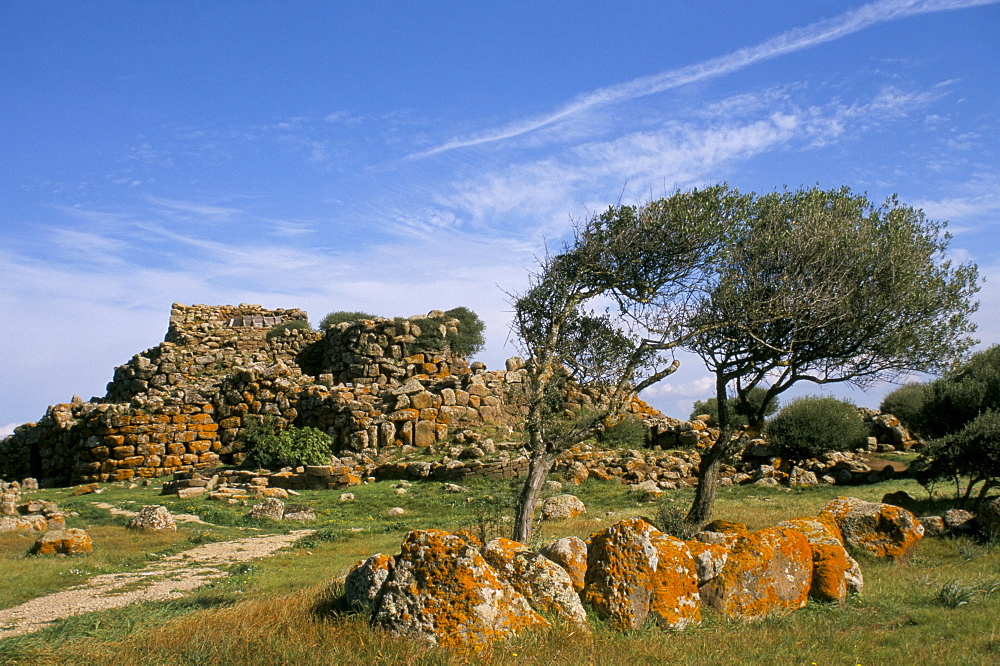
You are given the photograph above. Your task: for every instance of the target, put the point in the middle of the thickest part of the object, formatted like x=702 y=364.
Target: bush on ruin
x=290 y=447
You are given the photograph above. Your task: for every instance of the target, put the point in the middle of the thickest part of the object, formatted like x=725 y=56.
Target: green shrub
x=290 y=325
x=906 y=403
x=956 y=399
x=814 y=425
x=670 y=520
x=737 y=414
x=469 y=338
x=629 y=433
x=273 y=447
x=972 y=452
x=341 y=316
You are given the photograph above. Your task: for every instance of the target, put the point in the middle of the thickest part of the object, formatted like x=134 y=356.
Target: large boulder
x=882 y=530
x=363 y=582
x=271 y=508
x=443 y=591
x=63 y=542
x=154 y=518
x=545 y=584
x=571 y=554
x=835 y=572
x=635 y=573
x=562 y=506
x=767 y=571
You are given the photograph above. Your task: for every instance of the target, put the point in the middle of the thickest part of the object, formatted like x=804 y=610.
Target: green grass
x=270 y=611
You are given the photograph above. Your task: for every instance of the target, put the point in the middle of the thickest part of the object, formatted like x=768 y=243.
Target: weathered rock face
x=562 y=506
x=636 y=572
x=365 y=581
x=882 y=530
x=271 y=508
x=545 y=584
x=571 y=554
x=833 y=567
x=989 y=518
x=154 y=518
x=63 y=542
x=709 y=558
x=443 y=590
x=767 y=571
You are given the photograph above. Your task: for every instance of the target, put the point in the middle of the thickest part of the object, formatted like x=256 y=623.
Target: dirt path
x=167 y=579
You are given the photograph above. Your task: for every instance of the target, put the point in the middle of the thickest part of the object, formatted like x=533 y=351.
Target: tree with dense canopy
x=823 y=286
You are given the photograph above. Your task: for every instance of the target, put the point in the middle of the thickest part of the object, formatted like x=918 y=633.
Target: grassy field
x=939 y=609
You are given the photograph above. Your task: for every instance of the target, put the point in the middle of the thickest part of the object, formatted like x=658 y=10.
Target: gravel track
x=169 y=578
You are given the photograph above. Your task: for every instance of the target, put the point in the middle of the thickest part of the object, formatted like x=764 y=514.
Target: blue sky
x=397 y=157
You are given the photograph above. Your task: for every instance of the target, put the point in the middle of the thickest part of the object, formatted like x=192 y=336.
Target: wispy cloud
x=797 y=39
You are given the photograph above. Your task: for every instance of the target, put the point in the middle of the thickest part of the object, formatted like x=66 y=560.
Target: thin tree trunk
x=538 y=469
x=711 y=462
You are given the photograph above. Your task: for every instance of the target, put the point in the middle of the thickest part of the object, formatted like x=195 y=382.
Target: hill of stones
x=390 y=392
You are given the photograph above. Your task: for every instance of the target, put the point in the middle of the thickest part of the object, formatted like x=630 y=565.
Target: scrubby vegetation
x=906 y=403
x=960 y=413
x=740 y=413
x=283 y=447
x=342 y=316
x=291 y=325
x=811 y=426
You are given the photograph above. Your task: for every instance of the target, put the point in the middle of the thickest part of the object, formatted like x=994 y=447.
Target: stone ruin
x=375 y=385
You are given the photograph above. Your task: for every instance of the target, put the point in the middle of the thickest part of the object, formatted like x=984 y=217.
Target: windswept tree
x=605 y=314
x=822 y=286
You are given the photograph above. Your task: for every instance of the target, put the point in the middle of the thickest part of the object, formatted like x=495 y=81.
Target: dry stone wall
x=180 y=406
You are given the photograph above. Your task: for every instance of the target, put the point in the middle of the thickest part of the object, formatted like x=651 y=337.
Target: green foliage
x=960 y=396
x=670 y=519
x=290 y=325
x=469 y=338
x=740 y=412
x=292 y=446
x=972 y=452
x=464 y=340
x=811 y=426
x=906 y=403
x=628 y=433
x=342 y=316
x=961 y=412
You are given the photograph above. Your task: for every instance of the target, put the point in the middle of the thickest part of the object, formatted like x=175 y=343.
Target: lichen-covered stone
x=881 y=530
x=635 y=573
x=709 y=558
x=442 y=590
x=271 y=508
x=63 y=542
x=562 y=506
x=768 y=571
x=363 y=583
x=571 y=554
x=155 y=518
x=832 y=565
x=545 y=584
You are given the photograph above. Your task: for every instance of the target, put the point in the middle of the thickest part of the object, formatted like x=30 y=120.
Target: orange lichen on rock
x=833 y=567
x=767 y=571
x=726 y=526
x=545 y=584
x=635 y=573
x=365 y=580
x=442 y=590
x=883 y=530
x=709 y=558
x=571 y=554
x=63 y=542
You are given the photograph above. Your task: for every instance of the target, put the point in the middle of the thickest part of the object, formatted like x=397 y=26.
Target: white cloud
x=794 y=40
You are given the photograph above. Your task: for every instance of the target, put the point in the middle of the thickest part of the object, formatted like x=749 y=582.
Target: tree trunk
x=539 y=468
x=711 y=461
